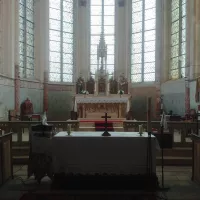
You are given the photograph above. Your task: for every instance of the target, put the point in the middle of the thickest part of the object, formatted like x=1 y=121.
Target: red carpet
x=87 y=196
x=100 y=126
x=99 y=121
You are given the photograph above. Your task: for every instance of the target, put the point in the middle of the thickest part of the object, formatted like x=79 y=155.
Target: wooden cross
x=106 y=125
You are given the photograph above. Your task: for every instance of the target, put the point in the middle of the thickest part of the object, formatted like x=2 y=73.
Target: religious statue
x=123 y=84
x=90 y=85
x=113 y=86
x=80 y=85
x=102 y=85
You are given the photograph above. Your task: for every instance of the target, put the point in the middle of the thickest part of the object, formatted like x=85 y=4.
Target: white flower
x=121 y=92
x=84 y=92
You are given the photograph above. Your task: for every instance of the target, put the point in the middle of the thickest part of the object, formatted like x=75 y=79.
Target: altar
x=90 y=153
x=94 y=107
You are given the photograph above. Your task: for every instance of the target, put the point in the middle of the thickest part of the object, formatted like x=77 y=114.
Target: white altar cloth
x=102 y=99
x=89 y=152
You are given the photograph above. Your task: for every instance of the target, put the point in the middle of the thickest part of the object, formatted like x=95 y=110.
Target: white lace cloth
x=90 y=153
x=102 y=99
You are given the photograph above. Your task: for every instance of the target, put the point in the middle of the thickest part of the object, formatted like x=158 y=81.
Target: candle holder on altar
x=69 y=127
x=141 y=129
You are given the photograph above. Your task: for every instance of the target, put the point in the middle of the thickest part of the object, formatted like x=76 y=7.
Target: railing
x=20 y=129
x=181 y=131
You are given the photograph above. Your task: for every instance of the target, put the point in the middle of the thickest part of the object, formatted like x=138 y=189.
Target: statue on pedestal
x=80 y=85
x=123 y=83
x=90 y=85
x=113 y=86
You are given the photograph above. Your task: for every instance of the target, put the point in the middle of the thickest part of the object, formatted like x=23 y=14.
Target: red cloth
x=26 y=107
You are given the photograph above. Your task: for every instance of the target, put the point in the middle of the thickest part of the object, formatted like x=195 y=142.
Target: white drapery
x=102 y=100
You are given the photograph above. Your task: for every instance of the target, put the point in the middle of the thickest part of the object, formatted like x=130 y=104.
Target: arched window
x=178 y=39
x=26 y=38
x=143 y=40
x=61 y=38
x=95 y=32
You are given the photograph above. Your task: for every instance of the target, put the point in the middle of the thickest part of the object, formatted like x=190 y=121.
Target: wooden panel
x=1 y=177
x=6 y=160
x=197 y=161
x=6 y=171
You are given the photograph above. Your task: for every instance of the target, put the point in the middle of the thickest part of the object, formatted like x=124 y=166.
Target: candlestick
x=69 y=129
x=140 y=129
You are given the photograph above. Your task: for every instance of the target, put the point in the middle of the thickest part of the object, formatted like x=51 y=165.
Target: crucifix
x=106 y=125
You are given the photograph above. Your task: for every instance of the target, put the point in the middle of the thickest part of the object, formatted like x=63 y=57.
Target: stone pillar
x=81 y=39
x=121 y=37
x=196 y=16
x=16 y=65
x=166 y=40
x=17 y=89
x=189 y=68
x=45 y=90
x=187 y=95
x=159 y=54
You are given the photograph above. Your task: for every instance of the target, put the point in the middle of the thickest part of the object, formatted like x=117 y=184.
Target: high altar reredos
x=100 y=94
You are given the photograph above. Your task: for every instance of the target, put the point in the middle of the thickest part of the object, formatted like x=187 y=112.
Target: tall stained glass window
x=178 y=38
x=143 y=40
x=26 y=38
x=95 y=32
x=61 y=40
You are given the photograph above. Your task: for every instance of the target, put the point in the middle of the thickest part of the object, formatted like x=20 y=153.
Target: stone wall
x=193 y=103
x=34 y=91
x=139 y=101
x=6 y=96
x=60 y=101
x=174 y=96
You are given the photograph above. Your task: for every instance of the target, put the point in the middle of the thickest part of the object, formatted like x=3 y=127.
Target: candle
x=108 y=88
x=69 y=129
x=140 y=129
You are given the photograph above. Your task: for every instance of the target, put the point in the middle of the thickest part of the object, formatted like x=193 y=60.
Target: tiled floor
x=177 y=178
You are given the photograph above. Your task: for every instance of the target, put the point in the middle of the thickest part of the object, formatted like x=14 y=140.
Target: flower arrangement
x=84 y=92
x=121 y=92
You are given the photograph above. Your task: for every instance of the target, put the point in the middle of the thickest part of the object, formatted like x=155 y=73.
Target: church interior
x=99 y=95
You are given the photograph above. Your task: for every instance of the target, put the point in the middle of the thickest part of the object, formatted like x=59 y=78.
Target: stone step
x=174 y=161
x=20 y=160
x=168 y=161
x=176 y=152
x=20 y=151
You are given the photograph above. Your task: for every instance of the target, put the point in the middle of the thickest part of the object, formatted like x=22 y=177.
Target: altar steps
x=172 y=157
x=174 y=161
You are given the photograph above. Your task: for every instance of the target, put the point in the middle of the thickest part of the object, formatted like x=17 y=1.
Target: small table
x=31 y=117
